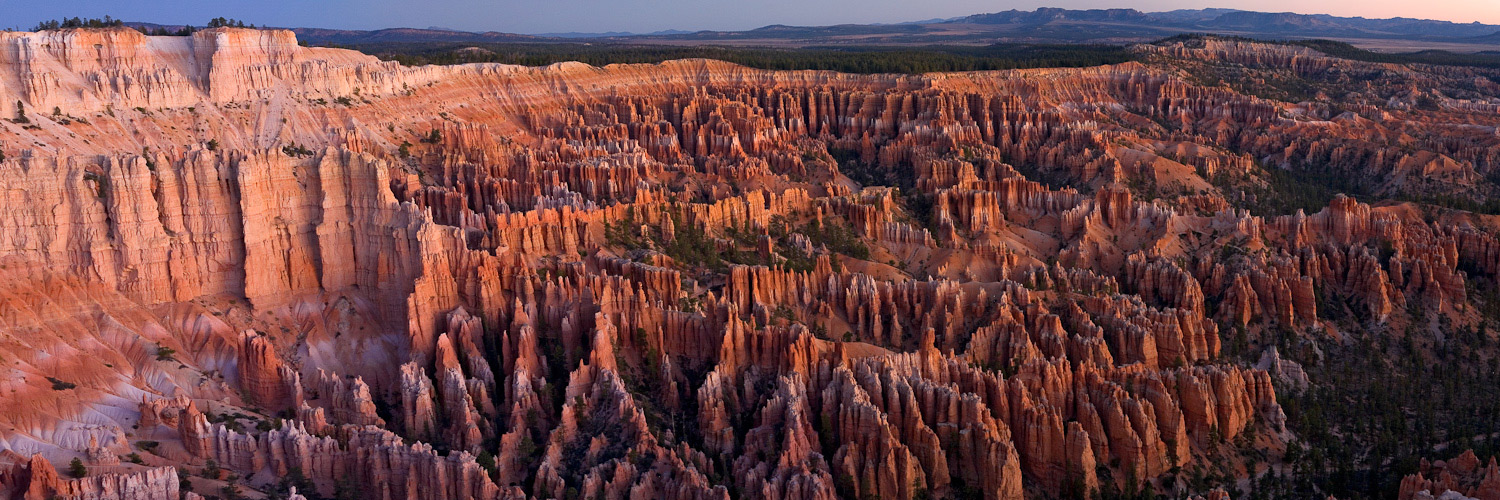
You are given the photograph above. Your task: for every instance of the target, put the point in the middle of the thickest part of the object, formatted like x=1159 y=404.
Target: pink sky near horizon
x=543 y=16
x=1459 y=11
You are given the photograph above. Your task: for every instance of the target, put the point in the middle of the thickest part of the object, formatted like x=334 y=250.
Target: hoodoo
x=230 y=261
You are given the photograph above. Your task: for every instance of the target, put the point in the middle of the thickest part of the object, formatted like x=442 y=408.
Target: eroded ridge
x=246 y=260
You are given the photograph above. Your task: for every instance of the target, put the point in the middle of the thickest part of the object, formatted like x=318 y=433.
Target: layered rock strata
x=682 y=280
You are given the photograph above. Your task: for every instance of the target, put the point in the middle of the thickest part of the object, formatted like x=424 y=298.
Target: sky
x=640 y=16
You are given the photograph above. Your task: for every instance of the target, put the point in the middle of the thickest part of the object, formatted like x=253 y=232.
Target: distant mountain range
x=1113 y=25
x=1045 y=25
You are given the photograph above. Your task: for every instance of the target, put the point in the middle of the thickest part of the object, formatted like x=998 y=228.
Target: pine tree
x=76 y=468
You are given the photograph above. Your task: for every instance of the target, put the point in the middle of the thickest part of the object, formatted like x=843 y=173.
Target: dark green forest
x=865 y=60
x=110 y=22
x=844 y=59
x=78 y=22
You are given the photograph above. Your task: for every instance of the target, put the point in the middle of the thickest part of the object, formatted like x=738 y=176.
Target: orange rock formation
x=643 y=281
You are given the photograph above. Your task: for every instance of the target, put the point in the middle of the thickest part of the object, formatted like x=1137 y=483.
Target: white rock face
x=84 y=71
x=1287 y=371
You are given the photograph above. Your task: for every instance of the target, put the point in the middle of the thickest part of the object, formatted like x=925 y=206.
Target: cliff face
x=1464 y=475
x=684 y=280
x=89 y=70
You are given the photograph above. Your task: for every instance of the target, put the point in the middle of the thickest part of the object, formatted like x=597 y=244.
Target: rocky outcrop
x=347 y=399
x=262 y=372
x=375 y=460
x=36 y=479
x=683 y=280
x=1465 y=475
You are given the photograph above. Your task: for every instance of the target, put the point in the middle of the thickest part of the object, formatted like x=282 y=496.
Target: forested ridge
x=864 y=60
